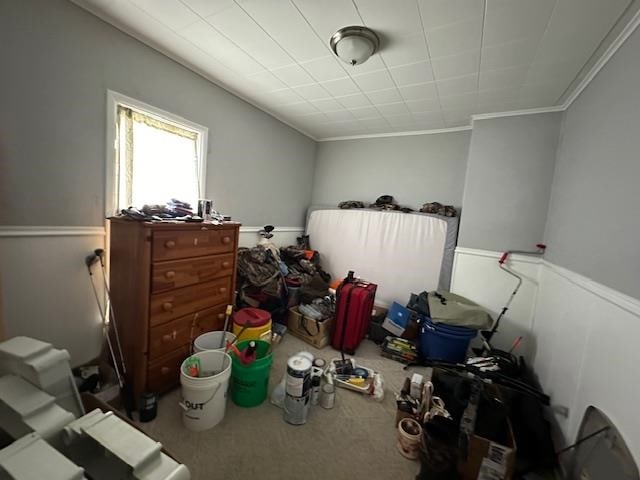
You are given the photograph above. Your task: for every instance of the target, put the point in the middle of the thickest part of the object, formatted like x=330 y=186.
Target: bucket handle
x=184 y=405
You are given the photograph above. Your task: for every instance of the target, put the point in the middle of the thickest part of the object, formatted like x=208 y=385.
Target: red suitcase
x=354 y=305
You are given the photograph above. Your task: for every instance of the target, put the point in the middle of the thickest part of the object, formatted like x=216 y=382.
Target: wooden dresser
x=169 y=283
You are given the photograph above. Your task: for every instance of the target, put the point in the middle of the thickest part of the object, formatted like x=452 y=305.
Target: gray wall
x=58 y=62
x=414 y=169
x=593 y=224
x=509 y=176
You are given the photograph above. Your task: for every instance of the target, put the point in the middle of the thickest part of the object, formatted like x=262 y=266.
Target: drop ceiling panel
x=440 y=60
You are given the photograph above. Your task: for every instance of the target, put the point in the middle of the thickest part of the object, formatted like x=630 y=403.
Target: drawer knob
x=169 y=244
x=170 y=274
x=165 y=370
x=226 y=240
x=223 y=289
x=170 y=337
x=166 y=306
x=221 y=316
x=226 y=264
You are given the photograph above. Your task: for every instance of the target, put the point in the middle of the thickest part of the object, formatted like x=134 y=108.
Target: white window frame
x=111 y=184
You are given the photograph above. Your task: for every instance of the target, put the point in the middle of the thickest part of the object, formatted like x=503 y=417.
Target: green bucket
x=249 y=383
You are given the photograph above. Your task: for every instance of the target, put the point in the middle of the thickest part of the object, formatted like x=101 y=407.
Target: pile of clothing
x=387 y=202
x=275 y=279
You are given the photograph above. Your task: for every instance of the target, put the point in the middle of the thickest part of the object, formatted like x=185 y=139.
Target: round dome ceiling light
x=354 y=45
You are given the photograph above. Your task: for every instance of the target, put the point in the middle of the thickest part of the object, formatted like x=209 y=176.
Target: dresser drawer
x=169 y=336
x=164 y=373
x=192 y=243
x=178 y=303
x=209 y=320
x=178 y=333
x=181 y=273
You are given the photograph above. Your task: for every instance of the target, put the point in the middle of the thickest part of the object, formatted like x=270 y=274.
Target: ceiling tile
x=431 y=118
x=458 y=85
x=576 y=29
x=375 y=122
x=437 y=13
x=284 y=96
x=171 y=13
x=328 y=16
x=269 y=54
x=420 y=106
x=402 y=121
x=302 y=49
x=369 y=82
x=266 y=80
x=405 y=49
x=324 y=69
x=456 y=65
x=511 y=54
x=205 y=8
x=365 y=112
x=235 y=24
x=311 y=92
x=327 y=105
x=466 y=100
x=393 y=109
x=419 y=92
x=340 y=87
x=354 y=101
x=561 y=73
x=395 y=18
x=293 y=75
x=284 y=23
x=388 y=95
x=339 y=115
x=455 y=38
x=497 y=95
x=508 y=20
x=413 y=73
x=297 y=108
x=503 y=78
x=215 y=44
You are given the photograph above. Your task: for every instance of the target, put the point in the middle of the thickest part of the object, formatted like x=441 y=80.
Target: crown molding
x=626 y=32
x=517 y=113
x=397 y=134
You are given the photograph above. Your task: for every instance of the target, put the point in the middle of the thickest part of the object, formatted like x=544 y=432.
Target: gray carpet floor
x=354 y=440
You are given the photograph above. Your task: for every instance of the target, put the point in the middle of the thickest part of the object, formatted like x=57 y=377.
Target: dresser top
x=176 y=224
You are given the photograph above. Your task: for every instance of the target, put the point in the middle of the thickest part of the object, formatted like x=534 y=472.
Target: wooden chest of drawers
x=169 y=284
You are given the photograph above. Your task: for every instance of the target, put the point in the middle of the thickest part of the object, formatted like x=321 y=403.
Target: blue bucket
x=445 y=342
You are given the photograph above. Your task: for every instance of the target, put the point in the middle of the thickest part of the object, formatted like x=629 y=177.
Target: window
x=154 y=156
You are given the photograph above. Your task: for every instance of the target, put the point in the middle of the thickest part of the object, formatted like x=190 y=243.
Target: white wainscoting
x=583 y=337
x=588 y=351
x=45 y=287
x=282 y=236
x=45 y=284
x=477 y=276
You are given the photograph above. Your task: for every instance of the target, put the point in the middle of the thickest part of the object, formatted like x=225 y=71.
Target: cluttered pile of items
x=473 y=417
x=387 y=202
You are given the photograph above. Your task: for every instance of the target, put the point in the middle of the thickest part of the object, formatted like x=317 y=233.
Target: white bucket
x=204 y=399
x=211 y=341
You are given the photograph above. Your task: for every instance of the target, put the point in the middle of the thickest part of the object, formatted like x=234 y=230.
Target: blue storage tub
x=444 y=342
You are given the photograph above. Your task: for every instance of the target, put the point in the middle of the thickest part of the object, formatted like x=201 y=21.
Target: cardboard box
x=307 y=329
x=485 y=459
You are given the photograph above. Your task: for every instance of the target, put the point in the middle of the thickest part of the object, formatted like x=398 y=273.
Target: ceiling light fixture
x=354 y=45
